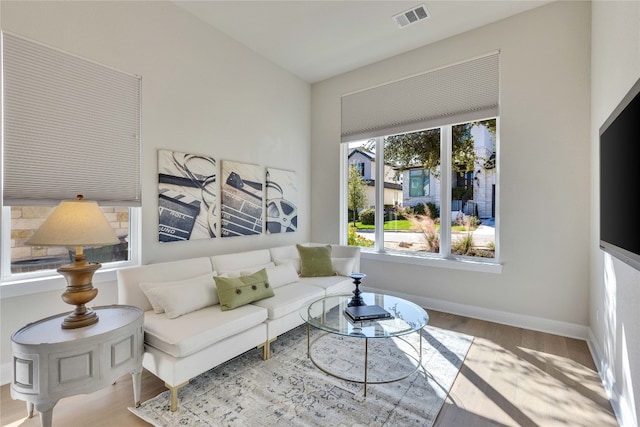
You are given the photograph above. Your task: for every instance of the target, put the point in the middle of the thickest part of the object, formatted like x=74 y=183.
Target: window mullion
x=379 y=192
x=344 y=202
x=445 y=189
x=5 y=243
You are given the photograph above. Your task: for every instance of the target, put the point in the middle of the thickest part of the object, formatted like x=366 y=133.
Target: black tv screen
x=620 y=180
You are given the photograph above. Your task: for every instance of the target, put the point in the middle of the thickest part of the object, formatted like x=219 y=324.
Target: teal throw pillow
x=315 y=261
x=234 y=292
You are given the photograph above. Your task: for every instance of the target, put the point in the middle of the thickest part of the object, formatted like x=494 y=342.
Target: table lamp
x=76 y=224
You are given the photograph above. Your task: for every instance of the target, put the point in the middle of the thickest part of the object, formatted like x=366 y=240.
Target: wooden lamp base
x=79 y=292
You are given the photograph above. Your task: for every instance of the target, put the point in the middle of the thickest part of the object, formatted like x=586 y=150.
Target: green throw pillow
x=238 y=291
x=315 y=261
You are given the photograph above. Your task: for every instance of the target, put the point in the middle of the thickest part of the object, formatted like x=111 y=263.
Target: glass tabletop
x=328 y=314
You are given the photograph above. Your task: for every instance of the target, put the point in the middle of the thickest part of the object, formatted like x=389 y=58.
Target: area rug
x=289 y=390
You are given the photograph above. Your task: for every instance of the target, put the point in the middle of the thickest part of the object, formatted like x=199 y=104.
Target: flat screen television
x=620 y=180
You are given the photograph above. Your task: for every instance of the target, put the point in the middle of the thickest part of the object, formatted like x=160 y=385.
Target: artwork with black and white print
x=282 y=201
x=187 y=196
x=242 y=199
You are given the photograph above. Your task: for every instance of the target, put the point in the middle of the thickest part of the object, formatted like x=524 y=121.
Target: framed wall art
x=282 y=201
x=242 y=199
x=187 y=196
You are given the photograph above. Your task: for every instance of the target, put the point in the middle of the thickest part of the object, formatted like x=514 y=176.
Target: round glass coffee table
x=328 y=315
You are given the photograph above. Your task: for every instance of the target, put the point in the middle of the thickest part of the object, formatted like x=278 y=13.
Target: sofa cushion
x=295 y=263
x=315 y=261
x=238 y=291
x=343 y=266
x=332 y=285
x=185 y=298
x=249 y=270
x=189 y=283
x=236 y=262
x=129 y=279
x=282 y=275
x=192 y=332
x=290 y=298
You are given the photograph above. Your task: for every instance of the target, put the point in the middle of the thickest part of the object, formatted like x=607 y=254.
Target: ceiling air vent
x=411 y=16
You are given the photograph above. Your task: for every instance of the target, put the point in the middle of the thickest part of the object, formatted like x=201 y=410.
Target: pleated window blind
x=454 y=94
x=71 y=126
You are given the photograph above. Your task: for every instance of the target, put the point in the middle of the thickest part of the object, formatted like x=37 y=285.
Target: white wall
x=544 y=160
x=615 y=287
x=201 y=93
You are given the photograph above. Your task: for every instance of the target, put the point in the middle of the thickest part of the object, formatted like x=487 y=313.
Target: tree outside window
x=357 y=193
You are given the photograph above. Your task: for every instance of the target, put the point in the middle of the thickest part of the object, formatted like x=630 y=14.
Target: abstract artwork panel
x=187 y=196
x=282 y=201
x=242 y=199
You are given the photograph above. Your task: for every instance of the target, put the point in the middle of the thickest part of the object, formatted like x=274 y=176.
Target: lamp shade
x=75 y=223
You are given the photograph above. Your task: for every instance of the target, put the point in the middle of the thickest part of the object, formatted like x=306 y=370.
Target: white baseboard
x=621 y=407
x=555 y=327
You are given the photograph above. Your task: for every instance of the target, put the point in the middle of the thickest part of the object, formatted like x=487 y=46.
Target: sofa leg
x=266 y=349
x=174 y=394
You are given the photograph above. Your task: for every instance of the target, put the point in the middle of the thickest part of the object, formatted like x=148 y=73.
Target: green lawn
x=399 y=224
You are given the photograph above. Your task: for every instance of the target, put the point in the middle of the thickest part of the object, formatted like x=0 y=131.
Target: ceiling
x=316 y=40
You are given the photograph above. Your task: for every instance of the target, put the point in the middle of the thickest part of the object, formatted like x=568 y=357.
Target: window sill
x=53 y=282
x=428 y=261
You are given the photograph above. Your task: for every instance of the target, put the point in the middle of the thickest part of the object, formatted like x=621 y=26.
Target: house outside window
x=419 y=183
x=364 y=160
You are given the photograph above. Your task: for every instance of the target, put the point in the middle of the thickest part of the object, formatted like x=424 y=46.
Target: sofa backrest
x=129 y=291
x=343 y=251
x=282 y=254
x=240 y=261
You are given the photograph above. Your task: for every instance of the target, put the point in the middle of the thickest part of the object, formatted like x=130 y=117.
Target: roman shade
x=453 y=94
x=71 y=126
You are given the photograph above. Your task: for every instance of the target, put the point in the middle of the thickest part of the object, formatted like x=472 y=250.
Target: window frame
x=18 y=284
x=444 y=259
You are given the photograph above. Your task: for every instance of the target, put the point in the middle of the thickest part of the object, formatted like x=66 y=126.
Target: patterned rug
x=289 y=390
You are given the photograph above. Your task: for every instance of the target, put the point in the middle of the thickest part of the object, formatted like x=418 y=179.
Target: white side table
x=50 y=363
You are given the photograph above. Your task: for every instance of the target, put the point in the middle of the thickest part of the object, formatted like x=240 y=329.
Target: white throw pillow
x=281 y=275
x=179 y=300
x=293 y=261
x=343 y=266
x=157 y=307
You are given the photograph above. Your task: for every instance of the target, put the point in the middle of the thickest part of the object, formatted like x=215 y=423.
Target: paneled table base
x=50 y=363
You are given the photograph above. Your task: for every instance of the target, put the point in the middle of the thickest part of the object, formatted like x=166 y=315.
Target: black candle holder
x=356 y=300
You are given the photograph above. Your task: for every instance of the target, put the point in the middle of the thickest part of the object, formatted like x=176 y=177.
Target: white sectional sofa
x=188 y=331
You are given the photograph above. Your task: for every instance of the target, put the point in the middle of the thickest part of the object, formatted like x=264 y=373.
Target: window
x=28 y=259
x=438 y=131
x=417 y=225
x=70 y=126
x=418 y=183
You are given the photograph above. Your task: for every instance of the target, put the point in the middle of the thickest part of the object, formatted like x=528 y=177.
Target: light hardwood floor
x=510 y=377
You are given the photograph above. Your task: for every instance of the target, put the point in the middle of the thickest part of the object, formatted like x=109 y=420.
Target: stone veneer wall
x=26 y=219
